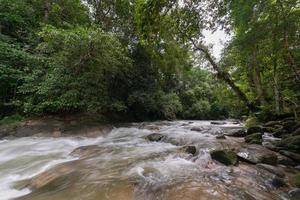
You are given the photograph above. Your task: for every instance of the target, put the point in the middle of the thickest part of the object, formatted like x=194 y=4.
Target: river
x=123 y=165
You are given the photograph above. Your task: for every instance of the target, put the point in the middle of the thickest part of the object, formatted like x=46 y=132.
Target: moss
x=225 y=157
x=255 y=138
x=296 y=180
x=291 y=143
x=11 y=119
x=251 y=121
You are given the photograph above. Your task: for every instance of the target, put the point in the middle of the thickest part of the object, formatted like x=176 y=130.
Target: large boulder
x=291 y=143
x=257 y=154
x=255 y=138
x=226 y=157
x=254 y=129
x=155 y=137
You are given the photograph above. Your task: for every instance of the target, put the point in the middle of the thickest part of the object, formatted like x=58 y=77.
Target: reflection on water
x=125 y=166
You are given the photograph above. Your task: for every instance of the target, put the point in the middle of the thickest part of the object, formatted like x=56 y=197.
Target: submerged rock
x=84 y=151
x=155 y=137
x=226 y=157
x=189 y=149
x=55 y=175
x=198 y=129
x=257 y=154
x=255 y=138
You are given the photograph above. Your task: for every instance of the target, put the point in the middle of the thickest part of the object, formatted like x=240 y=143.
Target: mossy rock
x=254 y=129
x=226 y=157
x=255 y=138
x=296 y=180
x=272 y=123
x=251 y=121
x=291 y=143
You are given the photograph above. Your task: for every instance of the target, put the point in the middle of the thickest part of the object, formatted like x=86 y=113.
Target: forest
x=136 y=60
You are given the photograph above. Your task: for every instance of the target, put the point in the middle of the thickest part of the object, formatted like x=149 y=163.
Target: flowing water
x=123 y=165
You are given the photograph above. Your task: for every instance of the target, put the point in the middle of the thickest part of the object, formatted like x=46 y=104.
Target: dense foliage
x=138 y=60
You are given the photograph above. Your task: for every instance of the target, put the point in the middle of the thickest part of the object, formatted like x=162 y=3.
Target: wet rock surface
x=257 y=154
x=226 y=157
x=155 y=137
x=189 y=149
x=254 y=138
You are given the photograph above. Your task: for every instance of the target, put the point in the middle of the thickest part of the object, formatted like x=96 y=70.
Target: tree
x=165 y=20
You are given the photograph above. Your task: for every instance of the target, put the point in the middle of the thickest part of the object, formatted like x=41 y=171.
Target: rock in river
x=257 y=154
x=198 y=129
x=293 y=156
x=218 y=123
x=290 y=143
x=189 y=149
x=226 y=157
x=273 y=170
x=294 y=194
x=255 y=138
x=254 y=129
x=237 y=133
x=155 y=137
x=221 y=137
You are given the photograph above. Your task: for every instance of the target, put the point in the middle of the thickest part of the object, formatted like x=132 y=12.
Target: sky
x=218 y=38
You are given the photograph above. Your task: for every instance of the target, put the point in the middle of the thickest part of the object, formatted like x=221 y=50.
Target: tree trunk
x=257 y=78
x=47 y=7
x=289 y=57
x=226 y=77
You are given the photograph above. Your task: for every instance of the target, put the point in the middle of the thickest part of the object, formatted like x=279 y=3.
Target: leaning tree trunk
x=225 y=76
